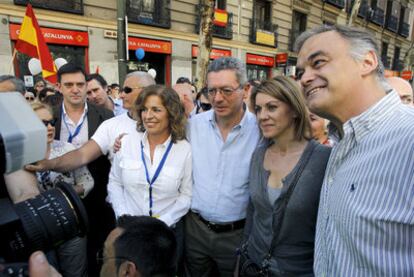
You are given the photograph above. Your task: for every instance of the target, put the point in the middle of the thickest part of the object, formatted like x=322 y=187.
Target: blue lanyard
x=157 y=172
x=77 y=130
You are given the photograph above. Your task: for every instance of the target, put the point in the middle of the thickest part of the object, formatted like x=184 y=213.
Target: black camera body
x=45 y=221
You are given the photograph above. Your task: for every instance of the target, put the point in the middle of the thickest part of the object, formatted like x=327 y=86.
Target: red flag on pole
x=31 y=42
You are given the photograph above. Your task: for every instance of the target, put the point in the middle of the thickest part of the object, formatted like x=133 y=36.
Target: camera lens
x=42 y=223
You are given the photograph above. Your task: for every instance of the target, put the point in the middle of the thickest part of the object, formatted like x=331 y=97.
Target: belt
x=221 y=228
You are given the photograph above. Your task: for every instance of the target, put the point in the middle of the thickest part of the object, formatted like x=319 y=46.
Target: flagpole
x=11 y=63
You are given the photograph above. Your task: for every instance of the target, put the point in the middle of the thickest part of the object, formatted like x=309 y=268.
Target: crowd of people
x=305 y=176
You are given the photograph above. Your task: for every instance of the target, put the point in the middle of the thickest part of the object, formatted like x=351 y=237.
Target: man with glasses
x=222 y=143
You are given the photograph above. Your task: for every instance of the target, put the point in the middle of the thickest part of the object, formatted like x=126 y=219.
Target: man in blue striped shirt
x=365 y=222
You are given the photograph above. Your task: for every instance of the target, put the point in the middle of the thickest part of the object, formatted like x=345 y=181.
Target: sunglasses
x=205 y=106
x=30 y=98
x=52 y=122
x=129 y=90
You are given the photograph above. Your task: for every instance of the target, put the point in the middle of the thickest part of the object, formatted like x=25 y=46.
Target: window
x=149 y=12
x=396 y=59
x=263 y=14
x=298 y=27
x=70 y=6
x=384 y=52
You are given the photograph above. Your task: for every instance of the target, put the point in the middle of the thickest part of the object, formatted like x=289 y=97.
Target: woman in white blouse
x=151 y=173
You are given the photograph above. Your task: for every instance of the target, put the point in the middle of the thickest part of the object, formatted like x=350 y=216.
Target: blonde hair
x=39 y=105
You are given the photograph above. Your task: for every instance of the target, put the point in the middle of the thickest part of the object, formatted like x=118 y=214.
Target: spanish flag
x=31 y=42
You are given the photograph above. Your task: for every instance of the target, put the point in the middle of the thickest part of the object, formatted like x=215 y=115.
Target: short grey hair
x=145 y=79
x=17 y=83
x=230 y=63
x=360 y=42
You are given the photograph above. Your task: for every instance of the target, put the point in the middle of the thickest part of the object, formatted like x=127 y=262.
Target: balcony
x=404 y=30
x=363 y=9
x=222 y=28
x=337 y=3
x=149 y=12
x=378 y=17
x=69 y=6
x=263 y=32
x=392 y=24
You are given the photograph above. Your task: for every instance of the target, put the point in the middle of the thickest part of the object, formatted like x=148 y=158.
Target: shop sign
x=281 y=58
x=150 y=45
x=56 y=36
x=215 y=53
x=265 y=37
x=260 y=60
x=407 y=74
x=220 y=18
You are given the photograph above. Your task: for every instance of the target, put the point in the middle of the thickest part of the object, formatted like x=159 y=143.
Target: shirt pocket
x=131 y=172
x=171 y=180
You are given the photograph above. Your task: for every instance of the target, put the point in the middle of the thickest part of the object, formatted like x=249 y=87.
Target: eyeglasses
x=52 y=122
x=226 y=91
x=129 y=89
x=100 y=259
x=30 y=98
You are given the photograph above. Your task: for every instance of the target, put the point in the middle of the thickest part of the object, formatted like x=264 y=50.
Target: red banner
x=150 y=45
x=215 y=53
x=56 y=36
x=260 y=60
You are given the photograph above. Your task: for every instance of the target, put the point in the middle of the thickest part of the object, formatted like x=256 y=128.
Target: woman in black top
x=286 y=175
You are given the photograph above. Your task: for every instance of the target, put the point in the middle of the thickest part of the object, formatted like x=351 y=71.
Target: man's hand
x=39 y=267
x=42 y=165
x=118 y=142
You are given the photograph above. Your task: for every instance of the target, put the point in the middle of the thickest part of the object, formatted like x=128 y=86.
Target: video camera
x=45 y=221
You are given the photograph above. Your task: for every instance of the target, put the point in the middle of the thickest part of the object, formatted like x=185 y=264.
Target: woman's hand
x=79 y=190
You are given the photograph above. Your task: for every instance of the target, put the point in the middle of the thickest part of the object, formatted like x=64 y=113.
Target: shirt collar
x=145 y=142
x=84 y=111
x=369 y=120
x=243 y=122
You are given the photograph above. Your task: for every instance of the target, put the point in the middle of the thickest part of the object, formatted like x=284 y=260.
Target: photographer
x=21 y=184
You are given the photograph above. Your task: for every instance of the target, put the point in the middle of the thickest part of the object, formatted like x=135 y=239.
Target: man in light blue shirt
x=222 y=142
x=365 y=223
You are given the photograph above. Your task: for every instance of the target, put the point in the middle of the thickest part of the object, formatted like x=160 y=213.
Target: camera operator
x=21 y=184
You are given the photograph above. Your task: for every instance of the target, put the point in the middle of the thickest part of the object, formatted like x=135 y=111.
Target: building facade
x=260 y=32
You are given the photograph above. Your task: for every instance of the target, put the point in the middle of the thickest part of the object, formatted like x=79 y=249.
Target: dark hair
x=114 y=85
x=286 y=90
x=54 y=101
x=171 y=101
x=17 y=83
x=43 y=92
x=99 y=78
x=147 y=242
x=69 y=68
x=183 y=80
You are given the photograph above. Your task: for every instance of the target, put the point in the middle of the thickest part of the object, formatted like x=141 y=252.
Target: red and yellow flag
x=32 y=43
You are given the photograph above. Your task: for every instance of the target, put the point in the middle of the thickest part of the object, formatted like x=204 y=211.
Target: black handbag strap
x=276 y=233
